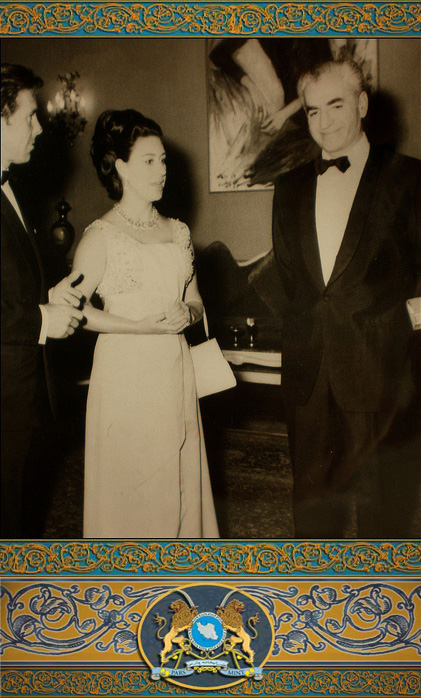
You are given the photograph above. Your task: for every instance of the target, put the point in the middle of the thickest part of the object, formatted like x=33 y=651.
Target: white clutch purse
x=212 y=371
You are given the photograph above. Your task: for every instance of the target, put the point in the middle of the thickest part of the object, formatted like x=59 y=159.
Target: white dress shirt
x=8 y=191
x=335 y=195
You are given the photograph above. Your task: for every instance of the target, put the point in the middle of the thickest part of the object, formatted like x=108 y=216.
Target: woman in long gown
x=146 y=472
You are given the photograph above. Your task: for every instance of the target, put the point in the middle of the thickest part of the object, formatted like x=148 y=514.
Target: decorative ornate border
x=91 y=620
x=180 y=558
x=141 y=19
x=283 y=682
x=176 y=561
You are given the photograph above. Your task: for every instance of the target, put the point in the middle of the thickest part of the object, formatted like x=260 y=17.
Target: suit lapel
x=307 y=227
x=25 y=240
x=358 y=216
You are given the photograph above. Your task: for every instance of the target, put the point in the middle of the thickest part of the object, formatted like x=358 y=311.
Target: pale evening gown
x=146 y=472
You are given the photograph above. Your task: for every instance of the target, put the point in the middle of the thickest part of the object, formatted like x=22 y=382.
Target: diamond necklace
x=144 y=225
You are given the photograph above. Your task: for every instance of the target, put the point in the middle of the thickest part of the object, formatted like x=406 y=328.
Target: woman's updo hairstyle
x=114 y=137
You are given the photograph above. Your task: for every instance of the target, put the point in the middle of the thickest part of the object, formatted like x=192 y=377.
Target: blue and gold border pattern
x=342 y=593
x=180 y=558
x=207 y=19
x=345 y=614
x=291 y=682
x=97 y=619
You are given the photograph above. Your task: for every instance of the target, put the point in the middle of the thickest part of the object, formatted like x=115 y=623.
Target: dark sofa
x=233 y=292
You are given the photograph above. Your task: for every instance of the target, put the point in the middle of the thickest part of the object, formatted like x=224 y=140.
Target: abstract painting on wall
x=257 y=128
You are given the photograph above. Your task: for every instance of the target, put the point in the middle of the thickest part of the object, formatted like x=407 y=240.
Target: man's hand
x=62 y=320
x=64 y=292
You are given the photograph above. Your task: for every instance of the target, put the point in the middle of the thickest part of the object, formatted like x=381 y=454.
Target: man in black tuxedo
x=28 y=318
x=347 y=242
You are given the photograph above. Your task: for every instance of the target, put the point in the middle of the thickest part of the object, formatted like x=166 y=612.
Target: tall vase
x=62 y=232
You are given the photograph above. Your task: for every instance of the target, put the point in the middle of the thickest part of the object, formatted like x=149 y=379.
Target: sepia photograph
x=248 y=252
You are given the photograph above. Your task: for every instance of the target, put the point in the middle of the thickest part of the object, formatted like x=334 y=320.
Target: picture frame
x=108 y=584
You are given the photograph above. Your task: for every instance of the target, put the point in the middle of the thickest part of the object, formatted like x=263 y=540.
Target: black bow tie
x=4 y=177
x=341 y=163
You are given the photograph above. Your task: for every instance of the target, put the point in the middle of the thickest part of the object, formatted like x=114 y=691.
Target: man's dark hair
x=14 y=79
x=350 y=70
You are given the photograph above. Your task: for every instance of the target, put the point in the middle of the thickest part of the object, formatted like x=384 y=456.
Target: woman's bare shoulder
x=96 y=229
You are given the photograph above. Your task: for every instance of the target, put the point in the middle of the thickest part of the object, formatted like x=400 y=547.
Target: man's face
x=19 y=130
x=334 y=112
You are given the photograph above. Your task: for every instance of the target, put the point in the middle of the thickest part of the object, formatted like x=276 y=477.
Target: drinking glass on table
x=252 y=330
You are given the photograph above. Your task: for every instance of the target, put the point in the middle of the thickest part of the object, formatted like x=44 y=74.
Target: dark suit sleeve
x=21 y=317
x=19 y=324
x=282 y=255
x=414 y=226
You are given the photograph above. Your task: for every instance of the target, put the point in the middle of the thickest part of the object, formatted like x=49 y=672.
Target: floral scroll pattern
x=293 y=682
x=203 y=19
x=358 y=620
x=351 y=620
x=184 y=558
x=54 y=620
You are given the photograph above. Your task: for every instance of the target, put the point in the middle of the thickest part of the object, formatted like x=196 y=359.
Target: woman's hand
x=151 y=324
x=174 y=321
x=177 y=318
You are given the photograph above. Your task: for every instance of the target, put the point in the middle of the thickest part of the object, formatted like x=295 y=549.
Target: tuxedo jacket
x=26 y=390
x=357 y=321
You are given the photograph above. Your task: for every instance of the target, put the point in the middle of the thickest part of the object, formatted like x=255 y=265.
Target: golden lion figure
x=232 y=620
x=182 y=620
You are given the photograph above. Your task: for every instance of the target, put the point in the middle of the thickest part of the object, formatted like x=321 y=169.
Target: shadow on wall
x=39 y=185
x=383 y=123
x=179 y=200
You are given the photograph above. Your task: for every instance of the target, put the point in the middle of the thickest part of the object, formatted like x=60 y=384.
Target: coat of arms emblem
x=205 y=635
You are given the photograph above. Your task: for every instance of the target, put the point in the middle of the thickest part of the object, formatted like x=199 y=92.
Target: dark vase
x=62 y=232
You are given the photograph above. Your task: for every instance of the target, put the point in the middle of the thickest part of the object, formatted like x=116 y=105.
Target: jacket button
x=327 y=298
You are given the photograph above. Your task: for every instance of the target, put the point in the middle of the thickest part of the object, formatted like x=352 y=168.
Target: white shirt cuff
x=413 y=306
x=44 y=326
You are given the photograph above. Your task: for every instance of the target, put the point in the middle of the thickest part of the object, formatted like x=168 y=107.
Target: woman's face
x=146 y=169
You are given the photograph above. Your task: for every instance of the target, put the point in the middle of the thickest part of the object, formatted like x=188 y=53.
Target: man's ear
x=363 y=104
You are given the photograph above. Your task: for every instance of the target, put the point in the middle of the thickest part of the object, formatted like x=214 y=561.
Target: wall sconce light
x=67 y=109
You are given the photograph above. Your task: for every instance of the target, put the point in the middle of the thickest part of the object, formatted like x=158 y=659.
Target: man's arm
x=415 y=226
x=413 y=304
x=282 y=256
x=21 y=315
x=20 y=324
x=65 y=294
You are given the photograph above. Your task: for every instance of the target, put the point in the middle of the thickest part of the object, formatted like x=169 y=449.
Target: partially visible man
x=347 y=241
x=28 y=318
